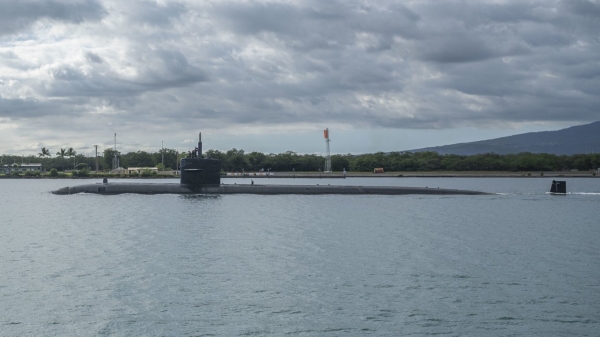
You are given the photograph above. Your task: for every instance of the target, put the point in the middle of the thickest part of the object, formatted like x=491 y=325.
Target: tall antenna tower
x=328 y=154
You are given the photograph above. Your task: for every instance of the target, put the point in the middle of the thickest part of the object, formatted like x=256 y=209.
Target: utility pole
x=96 y=146
x=116 y=158
x=328 y=154
x=163 y=152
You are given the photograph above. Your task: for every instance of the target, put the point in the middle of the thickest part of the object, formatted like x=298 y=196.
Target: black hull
x=144 y=188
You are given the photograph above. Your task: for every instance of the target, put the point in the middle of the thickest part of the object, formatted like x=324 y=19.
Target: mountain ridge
x=572 y=140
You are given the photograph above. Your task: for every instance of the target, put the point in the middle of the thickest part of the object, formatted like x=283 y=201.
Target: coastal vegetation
x=236 y=160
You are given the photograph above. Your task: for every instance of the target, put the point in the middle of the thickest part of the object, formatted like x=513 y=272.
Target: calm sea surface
x=521 y=263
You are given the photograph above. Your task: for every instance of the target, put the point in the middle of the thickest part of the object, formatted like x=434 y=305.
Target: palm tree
x=45 y=152
x=62 y=154
x=71 y=153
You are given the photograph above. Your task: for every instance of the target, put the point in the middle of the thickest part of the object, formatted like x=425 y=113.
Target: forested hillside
x=574 y=140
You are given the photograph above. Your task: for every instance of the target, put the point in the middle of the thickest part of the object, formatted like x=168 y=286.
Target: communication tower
x=328 y=154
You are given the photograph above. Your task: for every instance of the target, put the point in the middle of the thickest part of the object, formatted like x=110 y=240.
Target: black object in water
x=558 y=187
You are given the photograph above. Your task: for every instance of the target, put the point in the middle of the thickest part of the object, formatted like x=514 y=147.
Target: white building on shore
x=31 y=167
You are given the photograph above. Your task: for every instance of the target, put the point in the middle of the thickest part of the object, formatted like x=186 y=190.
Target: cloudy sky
x=269 y=76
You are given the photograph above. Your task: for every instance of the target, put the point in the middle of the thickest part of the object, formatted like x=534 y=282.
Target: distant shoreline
x=434 y=174
x=339 y=175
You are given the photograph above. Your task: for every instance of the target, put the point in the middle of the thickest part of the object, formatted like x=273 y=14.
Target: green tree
x=215 y=154
x=170 y=157
x=256 y=160
x=235 y=160
x=340 y=162
x=62 y=154
x=138 y=159
x=367 y=162
x=309 y=162
x=71 y=153
x=582 y=162
x=109 y=155
x=45 y=153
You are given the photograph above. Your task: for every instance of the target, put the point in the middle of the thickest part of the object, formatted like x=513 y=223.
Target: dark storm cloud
x=17 y=15
x=10 y=107
x=157 y=70
x=583 y=7
x=328 y=25
x=456 y=50
x=16 y=108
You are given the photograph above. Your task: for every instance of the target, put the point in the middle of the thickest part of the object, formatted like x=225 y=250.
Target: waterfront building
x=31 y=167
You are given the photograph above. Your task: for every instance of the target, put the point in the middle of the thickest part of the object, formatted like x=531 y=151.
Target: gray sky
x=269 y=76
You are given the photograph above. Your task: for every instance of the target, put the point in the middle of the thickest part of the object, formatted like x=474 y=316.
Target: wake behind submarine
x=203 y=176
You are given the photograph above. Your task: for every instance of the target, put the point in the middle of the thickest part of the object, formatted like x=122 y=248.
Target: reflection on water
x=199 y=197
x=519 y=263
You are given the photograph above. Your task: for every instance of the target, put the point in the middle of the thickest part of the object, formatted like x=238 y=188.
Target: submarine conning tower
x=197 y=171
x=558 y=187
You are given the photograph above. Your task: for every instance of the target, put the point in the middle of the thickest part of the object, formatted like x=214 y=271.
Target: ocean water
x=520 y=263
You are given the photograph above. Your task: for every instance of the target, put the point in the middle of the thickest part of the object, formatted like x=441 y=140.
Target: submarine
x=203 y=176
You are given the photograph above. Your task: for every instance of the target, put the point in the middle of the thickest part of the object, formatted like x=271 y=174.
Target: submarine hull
x=144 y=188
x=122 y=188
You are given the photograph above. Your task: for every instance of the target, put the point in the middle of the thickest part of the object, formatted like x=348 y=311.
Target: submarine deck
x=147 y=188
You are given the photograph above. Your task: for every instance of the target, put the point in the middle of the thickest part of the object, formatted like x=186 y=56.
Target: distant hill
x=573 y=140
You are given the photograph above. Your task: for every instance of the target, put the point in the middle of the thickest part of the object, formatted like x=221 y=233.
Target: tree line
x=69 y=159
x=433 y=161
x=237 y=161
